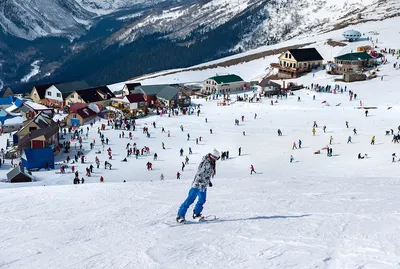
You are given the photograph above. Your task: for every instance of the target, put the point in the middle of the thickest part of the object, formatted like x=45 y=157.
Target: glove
x=210 y=184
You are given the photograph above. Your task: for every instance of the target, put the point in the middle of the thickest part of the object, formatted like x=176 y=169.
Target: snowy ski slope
x=318 y=212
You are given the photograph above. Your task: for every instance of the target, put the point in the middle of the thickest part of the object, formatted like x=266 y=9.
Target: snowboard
x=203 y=219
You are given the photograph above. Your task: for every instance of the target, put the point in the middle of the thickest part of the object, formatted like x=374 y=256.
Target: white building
x=223 y=84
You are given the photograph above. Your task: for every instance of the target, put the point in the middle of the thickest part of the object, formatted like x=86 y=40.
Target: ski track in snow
x=319 y=212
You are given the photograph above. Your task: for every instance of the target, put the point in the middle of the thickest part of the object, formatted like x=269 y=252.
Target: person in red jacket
x=101 y=179
x=252 y=170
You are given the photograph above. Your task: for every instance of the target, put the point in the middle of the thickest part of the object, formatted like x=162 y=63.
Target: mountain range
x=105 y=41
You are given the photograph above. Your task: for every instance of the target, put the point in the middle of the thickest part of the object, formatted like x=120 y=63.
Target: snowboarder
x=252 y=170
x=360 y=157
x=201 y=181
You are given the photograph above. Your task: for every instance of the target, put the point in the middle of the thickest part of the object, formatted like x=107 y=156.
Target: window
x=48 y=93
x=286 y=55
x=58 y=94
x=294 y=65
x=280 y=62
x=74 y=116
x=290 y=56
x=72 y=96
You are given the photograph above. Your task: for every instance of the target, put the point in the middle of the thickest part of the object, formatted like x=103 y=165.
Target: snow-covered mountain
x=189 y=31
x=38 y=18
x=272 y=20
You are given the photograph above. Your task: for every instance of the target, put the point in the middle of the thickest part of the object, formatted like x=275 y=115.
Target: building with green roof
x=356 y=56
x=223 y=84
x=352 y=62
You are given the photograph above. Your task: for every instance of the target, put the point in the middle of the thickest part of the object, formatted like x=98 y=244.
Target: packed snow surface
x=318 y=212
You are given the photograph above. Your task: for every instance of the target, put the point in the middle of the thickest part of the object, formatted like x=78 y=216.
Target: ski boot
x=197 y=217
x=180 y=219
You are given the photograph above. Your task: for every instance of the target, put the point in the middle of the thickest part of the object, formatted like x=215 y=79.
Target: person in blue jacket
x=202 y=180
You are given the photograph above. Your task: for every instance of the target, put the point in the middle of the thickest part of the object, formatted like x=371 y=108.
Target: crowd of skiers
x=127 y=126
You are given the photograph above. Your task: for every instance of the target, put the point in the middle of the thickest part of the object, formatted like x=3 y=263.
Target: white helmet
x=215 y=154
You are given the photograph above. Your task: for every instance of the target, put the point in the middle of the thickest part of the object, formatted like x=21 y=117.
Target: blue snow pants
x=193 y=193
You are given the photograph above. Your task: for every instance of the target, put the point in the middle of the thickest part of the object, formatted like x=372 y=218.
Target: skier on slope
x=252 y=170
x=201 y=181
x=294 y=145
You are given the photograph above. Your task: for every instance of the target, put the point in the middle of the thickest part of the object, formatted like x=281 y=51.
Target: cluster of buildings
x=293 y=63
